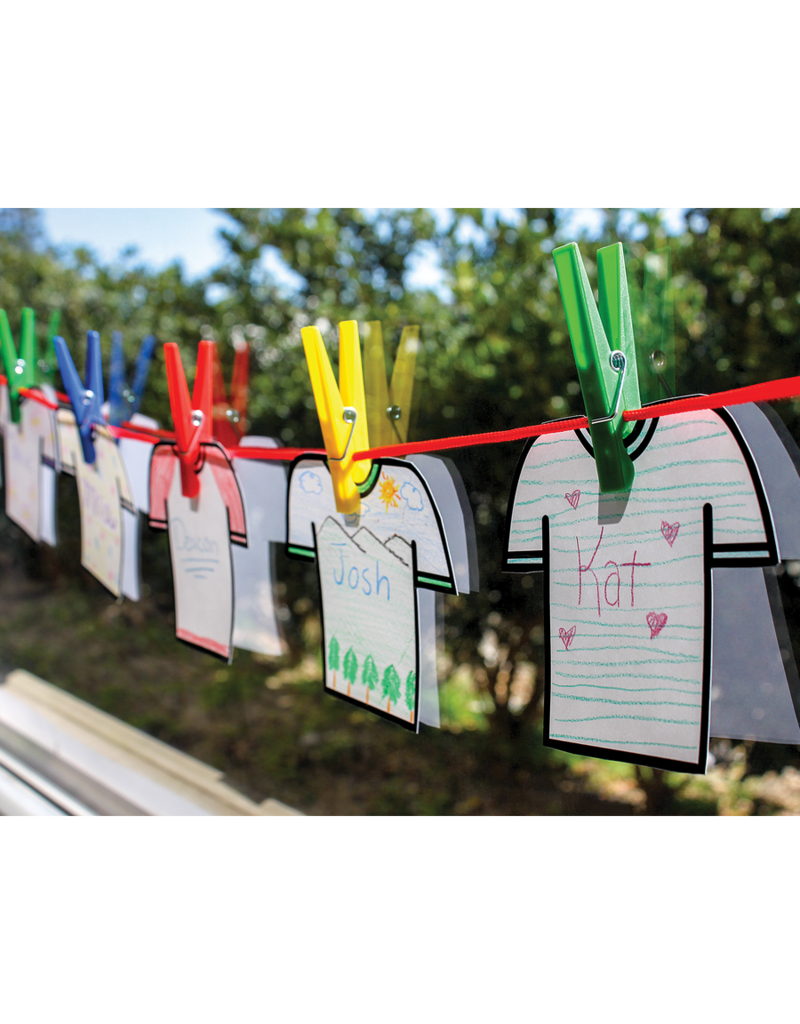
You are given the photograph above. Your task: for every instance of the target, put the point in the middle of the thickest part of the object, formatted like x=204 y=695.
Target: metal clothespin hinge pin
x=619 y=365
x=394 y=412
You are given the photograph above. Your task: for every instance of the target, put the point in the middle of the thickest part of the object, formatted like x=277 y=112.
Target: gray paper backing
x=753 y=668
x=263 y=486
x=429 y=606
x=130 y=555
x=451 y=499
x=136 y=458
x=750 y=696
x=47 y=505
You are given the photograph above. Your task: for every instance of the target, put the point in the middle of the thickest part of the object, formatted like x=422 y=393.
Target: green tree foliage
x=369 y=675
x=350 y=667
x=390 y=686
x=411 y=691
x=333 y=658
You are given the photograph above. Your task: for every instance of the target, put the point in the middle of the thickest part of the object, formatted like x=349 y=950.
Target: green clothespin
x=602 y=343
x=20 y=370
x=46 y=366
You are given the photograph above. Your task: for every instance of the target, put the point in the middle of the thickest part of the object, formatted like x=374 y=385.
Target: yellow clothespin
x=342 y=411
x=389 y=405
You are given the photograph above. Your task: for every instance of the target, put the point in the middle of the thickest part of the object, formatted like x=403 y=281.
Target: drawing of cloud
x=411 y=496
x=310 y=483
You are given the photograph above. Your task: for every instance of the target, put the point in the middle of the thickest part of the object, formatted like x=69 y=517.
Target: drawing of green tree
x=350 y=668
x=333 y=658
x=390 y=685
x=411 y=693
x=369 y=675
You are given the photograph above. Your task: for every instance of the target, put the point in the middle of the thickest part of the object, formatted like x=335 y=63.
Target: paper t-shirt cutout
x=263 y=486
x=628 y=597
x=201 y=531
x=31 y=454
x=105 y=497
x=371 y=566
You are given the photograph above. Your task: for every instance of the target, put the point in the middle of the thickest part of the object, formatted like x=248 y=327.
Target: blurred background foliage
x=721 y=297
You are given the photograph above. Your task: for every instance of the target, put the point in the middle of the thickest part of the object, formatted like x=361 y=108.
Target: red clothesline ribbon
x=787 y=387
x=771 y=391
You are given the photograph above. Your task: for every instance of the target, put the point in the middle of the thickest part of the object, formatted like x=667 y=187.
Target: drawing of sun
x=388 y=492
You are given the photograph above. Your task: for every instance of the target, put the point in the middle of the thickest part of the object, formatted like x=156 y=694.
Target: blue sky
x=160 y=235
x=190 y=235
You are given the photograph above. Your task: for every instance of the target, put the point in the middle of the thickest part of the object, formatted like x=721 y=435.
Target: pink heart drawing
x=567 y=635
x=656 y=621
x=670 y=531
x=573 y=498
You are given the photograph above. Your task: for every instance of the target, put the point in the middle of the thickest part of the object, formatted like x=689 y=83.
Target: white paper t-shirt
x=201 y=531
x=31 y=460
x=628 y=596
x=371 y=565
x=104 y=495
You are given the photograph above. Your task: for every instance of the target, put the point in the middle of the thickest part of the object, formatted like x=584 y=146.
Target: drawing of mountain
x=400 y=547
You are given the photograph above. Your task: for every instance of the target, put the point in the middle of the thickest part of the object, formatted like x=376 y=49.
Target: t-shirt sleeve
x=48 y=426
x=422 y=523
x=107 y=450
x=310 y=501
x=69 y=442
x=125 y=492
x=225 y=476
x=50 y=448
x=163 y=465
x=35 y=424
x=545 y=485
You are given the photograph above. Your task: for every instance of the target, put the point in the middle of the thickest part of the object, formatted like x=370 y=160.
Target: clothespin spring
x=193 y=448
x=349 y=415
x=618 y=365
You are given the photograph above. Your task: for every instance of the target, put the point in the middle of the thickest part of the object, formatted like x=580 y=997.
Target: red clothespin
x=230 y=414
x=192 y=421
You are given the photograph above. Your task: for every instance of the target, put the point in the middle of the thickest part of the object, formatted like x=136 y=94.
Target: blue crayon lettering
x=381 y=579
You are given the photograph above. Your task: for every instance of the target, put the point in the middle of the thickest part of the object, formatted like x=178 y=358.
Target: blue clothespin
x=86 y=401
x=124 y=401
